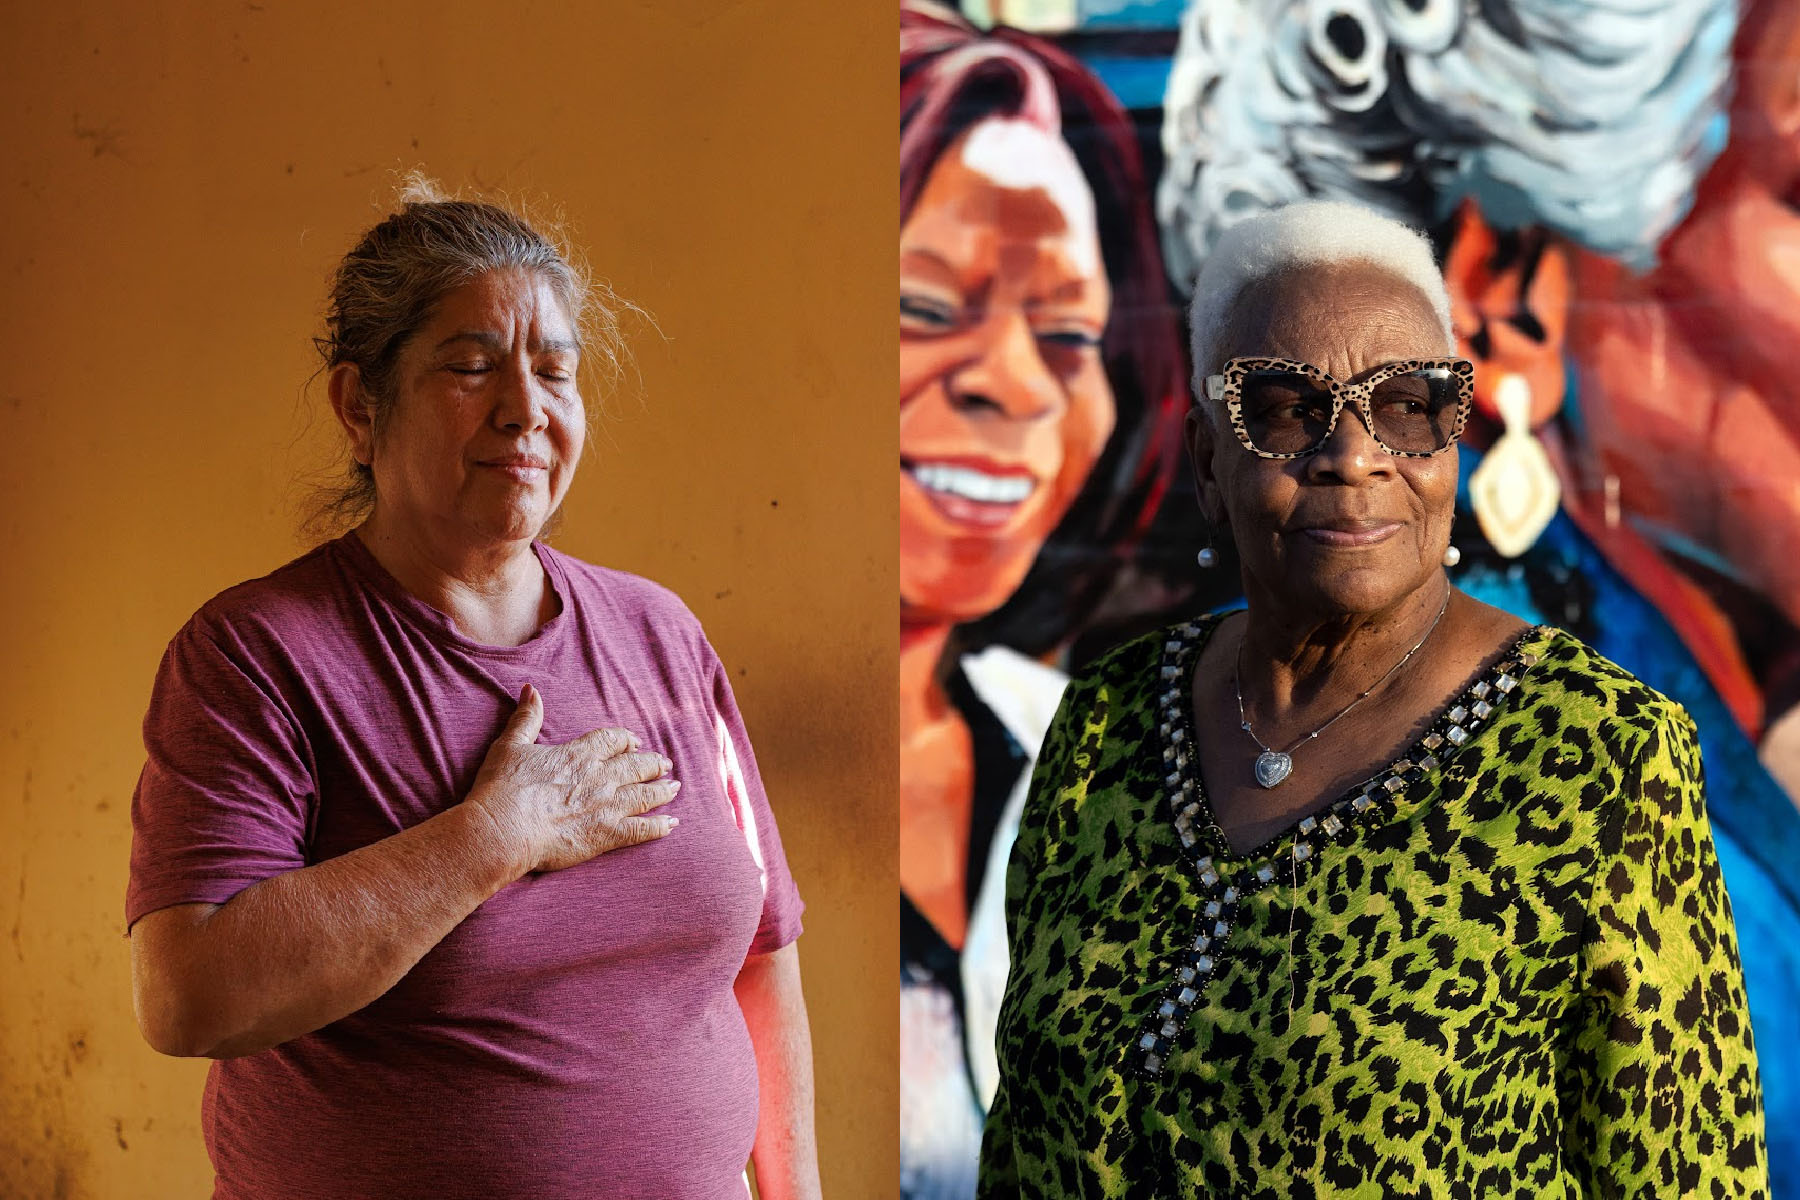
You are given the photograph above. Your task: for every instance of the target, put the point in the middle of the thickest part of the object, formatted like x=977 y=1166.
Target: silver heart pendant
x=1272 y=768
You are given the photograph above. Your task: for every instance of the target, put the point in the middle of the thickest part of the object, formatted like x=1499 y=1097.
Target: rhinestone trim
x=1374 y=802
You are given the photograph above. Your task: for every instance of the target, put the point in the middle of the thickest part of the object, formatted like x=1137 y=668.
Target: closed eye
x=1079 y=339
x=925 y=315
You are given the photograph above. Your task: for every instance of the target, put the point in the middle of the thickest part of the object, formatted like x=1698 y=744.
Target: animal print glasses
x=1279 y=408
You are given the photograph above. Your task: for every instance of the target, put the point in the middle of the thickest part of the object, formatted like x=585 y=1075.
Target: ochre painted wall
x=176 y=188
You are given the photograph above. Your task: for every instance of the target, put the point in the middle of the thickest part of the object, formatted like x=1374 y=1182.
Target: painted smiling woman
x=1040 y=379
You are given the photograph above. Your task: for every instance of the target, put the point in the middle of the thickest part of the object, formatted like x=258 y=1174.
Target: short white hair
x=1306 y=233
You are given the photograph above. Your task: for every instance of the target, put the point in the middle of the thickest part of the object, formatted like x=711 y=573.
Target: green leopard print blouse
x=1503 y=967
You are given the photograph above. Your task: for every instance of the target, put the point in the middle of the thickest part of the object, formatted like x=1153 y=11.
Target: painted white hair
x=1306 y=233
x=1593 y=118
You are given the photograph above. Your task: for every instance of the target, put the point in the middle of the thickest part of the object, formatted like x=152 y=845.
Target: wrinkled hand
x=562 y=805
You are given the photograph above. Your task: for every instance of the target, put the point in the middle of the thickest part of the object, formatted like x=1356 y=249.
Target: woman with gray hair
x=1370 y=888
x=450 y=848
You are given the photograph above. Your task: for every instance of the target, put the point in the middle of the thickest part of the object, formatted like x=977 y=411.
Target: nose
x=1008 y=375
x=520 y=404
x=1351 y=453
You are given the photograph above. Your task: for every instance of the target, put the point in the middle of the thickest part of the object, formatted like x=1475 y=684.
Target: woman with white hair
x=1369 y=889
x=1607 y=250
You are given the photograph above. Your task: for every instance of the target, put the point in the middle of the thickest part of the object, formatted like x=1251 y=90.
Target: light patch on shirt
x=731 y=774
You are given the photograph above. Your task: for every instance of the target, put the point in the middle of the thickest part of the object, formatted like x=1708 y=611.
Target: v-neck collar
x=1369 y=802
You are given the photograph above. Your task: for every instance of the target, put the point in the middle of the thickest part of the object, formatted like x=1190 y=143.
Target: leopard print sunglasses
x=1280 y=408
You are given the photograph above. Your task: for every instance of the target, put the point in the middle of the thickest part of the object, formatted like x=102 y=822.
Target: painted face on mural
x=1004 y=400
x=1351 y=528
x=488 y=425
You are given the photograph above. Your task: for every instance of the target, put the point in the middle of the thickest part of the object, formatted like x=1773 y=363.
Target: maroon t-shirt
x=575 y=1036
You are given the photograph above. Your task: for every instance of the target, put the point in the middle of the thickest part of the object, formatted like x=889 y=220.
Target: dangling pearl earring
x=1207 y=558
x=1452 y=556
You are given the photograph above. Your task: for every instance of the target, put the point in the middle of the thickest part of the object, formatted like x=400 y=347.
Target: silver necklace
x=1273 y=766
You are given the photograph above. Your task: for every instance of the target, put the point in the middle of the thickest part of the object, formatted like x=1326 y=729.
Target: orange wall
x=176 y=189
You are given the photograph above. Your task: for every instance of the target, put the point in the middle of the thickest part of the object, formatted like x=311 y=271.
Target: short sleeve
x=227 y=790
x=1663 y=1092
x=780 y=921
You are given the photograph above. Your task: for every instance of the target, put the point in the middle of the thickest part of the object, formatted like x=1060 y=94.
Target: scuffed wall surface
x=176 y=188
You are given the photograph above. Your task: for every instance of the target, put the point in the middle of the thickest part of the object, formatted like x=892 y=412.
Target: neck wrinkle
x=1294 y=662
x=503 y=587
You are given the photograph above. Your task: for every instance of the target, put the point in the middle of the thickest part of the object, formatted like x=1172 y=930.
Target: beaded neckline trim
x=1225 y=885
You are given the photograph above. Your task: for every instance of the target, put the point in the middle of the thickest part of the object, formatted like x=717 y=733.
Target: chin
x=958 y=580
x=951 y=599
x=1356 y=591
x=512 y=526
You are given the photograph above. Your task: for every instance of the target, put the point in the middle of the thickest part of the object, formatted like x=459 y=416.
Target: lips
x=1350 y=531
x=975 y=493
x=520 y=467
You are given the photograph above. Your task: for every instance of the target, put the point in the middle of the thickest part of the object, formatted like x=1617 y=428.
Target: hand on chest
x=409 y=752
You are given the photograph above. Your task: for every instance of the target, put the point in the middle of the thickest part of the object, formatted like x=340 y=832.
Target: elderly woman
x=450 y=848
x=1368 y=890
x=1607 y=253
x=1040 y=389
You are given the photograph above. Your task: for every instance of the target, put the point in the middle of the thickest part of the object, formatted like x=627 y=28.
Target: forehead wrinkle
x=488 y=339
x=1349 y=317
x=485 y=338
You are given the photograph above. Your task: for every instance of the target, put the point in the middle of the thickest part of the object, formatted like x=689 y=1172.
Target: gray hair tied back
x=389 y=284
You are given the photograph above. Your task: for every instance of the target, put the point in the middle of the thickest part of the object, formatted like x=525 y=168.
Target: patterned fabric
x=1564 y=580
x=1509 y=970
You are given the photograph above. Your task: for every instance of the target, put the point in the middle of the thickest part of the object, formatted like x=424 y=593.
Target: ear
x=1200 y=437
x=350 y=402
x=1509 y=306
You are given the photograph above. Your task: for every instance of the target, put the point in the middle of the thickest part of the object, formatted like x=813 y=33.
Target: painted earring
x=1452 y=556
x=1208 y=558
x=1514 y=491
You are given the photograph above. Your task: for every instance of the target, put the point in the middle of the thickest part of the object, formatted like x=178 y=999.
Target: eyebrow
x=934 y=269
x=489 y=340
x=920 y=257
x=1072 y=290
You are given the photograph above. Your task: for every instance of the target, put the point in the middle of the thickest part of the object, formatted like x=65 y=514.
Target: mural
x=1040 y=390
x=1615 y=193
